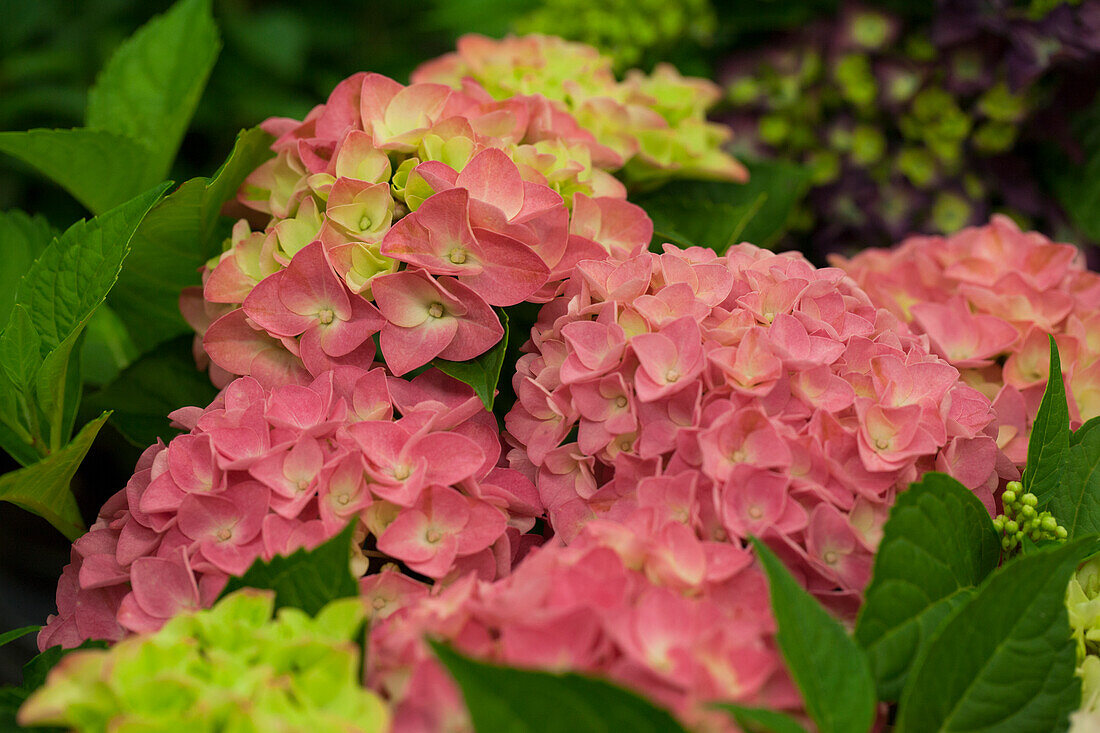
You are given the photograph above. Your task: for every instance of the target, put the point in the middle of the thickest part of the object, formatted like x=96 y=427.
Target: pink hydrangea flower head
x=792 y=407
x=266 y=470
x=473 y=191
x=986 y=298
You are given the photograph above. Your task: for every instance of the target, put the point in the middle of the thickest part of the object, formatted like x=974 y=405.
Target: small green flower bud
x=1009 y=497
x=1011 y=527
x=1030 y=499
x=1061 y=533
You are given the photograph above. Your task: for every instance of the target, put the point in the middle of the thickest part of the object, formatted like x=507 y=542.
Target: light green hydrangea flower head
x=232 y=668
x=655 y=123
x=627 y=30
x=1083 y=605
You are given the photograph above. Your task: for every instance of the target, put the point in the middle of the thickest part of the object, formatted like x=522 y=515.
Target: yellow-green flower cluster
x=1083 y=605
x=627 y=30
x=655 y=122
x=229 y=668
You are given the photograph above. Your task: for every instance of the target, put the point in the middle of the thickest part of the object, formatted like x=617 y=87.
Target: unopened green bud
x=1011 y=527
x=1030 y=499
x=1028 y=511
x=1061 y=533
x=1049 y=523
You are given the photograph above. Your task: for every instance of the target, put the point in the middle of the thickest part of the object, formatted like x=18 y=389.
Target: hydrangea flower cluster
x=752 y=393
x=627 y=30
x=656 y=123
x=643 y=601
x=263 y=472
x=408 y=212
x=231 y=667
x=986 y=298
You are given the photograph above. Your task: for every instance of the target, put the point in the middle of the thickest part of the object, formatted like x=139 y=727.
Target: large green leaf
x=718 y=214
x=305 y=579
x=1077 y=183
x=174 y=241
x=1076 y=502
x=141 y=396
x=829 y=668
x=22 y=239
x=151 y=85
x=73 y=275
x=9 y=636
x=100 y=169
x=938 y=540
x=1004 y=661
x=507 y=700
x=108 y=348
x=20 y=348
x=482 y=372
x=762 y=720
x=61 y=291
x=1048 y=446
x=43 y=487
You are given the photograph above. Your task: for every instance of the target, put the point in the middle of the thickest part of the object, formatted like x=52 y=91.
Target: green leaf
x=1076 y=503
x=939 y=539
x=99 y=168
x=1048 y=446
x=73 y=275
x=59 y=386
x=761 y=720
x=22 y=239
x=508 y=700
x=151 y=85
x=20 y=348
x=483 y=372
x=306 y=579
x=174 y=241
x=829 y=668
x=1004 y=661
x=107 y=349
x=9 y=636
x=1077 y=184
x=43 y=487
x=163 y=380
x=718 y=214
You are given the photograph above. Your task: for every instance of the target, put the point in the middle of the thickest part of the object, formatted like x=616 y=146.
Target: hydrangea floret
x=460 y=201
x=263 y=472
x=644 y=601
x=232 y=667
x=753 y=393
x=987 y=298
x=655 y=122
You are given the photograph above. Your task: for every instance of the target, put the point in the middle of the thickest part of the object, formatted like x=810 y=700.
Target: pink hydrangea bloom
x=986 y=298
x=643 y=600
x=752 y=394
x=262 y=472
x=384 y=183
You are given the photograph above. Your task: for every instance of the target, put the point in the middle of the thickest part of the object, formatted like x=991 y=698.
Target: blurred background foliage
x=906 y=117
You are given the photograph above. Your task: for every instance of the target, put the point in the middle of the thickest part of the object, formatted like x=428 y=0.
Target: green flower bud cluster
x=1021 y=519
x=876 y=110
x=630 y=31
x=229 y=668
